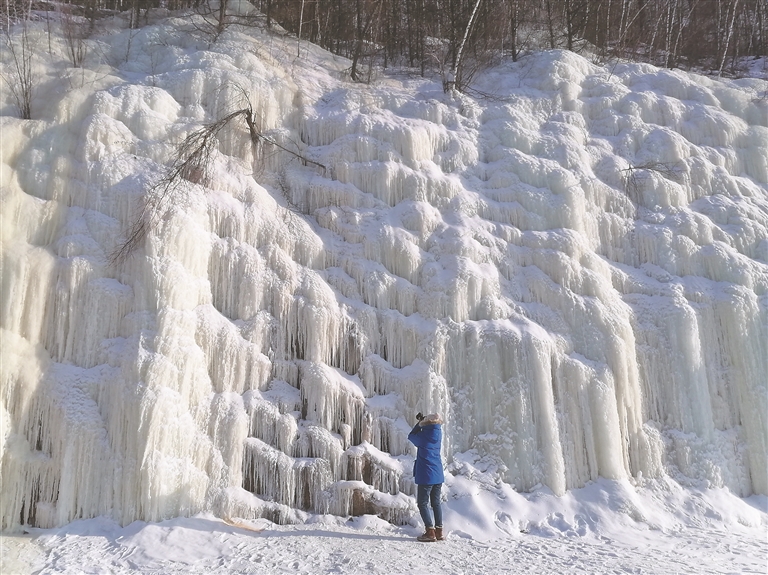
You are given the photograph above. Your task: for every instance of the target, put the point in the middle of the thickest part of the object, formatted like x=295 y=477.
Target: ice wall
x=575 y=273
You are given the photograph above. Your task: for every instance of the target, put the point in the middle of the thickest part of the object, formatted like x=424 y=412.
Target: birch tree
x=454 y=80
x=729 y=33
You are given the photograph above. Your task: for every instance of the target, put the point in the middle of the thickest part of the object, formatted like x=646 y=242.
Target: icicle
x=292 y=482
x=376 y=468
x=331 y=397
x=270 y=424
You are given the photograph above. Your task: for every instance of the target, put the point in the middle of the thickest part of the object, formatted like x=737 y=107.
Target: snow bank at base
x=619 y=510
x=573 y=271
x=606 y=527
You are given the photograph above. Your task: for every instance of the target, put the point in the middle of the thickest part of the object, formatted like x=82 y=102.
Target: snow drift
x=574 y=271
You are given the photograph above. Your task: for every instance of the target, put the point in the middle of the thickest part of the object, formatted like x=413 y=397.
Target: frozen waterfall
x=575 y=273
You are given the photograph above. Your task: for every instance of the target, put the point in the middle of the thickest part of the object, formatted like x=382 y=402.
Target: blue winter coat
x=428 y=467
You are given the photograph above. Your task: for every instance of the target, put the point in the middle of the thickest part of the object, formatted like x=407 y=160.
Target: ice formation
x=575 y=273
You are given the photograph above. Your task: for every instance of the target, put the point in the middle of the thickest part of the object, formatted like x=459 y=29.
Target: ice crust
x=575 y=273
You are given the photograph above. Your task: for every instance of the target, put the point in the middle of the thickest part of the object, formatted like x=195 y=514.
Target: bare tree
x=298 y=34
x=728 y=34
x=454 y=79
x=515 y=21
x=219 y=15
x=20 y=80
x=575 y=13
x=550 y=23
x=192 y=162
x=136 y=6
x=366 y=14
x=636 y=176
x=75 y=31
x=414 y=33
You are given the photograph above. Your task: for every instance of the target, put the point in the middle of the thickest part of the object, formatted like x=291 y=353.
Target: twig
x=193 y=160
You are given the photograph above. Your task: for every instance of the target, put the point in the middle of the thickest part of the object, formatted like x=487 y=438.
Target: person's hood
x=431 y=419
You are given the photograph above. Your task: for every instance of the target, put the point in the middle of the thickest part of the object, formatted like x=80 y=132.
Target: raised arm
x=416 y=437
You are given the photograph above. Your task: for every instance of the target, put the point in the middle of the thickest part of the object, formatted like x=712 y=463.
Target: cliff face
x=573 y=272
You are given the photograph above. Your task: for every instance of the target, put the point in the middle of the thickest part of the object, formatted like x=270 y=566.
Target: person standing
x=427 y=436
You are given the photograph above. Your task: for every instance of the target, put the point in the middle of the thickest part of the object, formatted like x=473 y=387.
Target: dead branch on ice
x=192 y=163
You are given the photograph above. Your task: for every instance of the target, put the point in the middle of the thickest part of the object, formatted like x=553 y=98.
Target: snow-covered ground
x=571 y=265
x=591 y=530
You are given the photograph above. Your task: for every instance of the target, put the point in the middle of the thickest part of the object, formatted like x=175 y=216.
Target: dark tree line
x=426 y=35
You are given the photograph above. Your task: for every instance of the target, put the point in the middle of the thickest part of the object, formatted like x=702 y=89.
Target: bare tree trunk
x=718 y=26
x=684 y=20
x=450 y=82
x=668 y=33
x=48 y=26
x=362 y=26
x=624 y=30
x=550 y=25
x=514 y=25
x=728 y=38
x=221 y=24
x=408 y=19
x=656 y=32
x=298 y=36
x=587 y=8
x=422 y=35
x=623 y=18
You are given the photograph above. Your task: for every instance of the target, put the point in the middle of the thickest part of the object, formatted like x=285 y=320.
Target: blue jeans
x=426 y=495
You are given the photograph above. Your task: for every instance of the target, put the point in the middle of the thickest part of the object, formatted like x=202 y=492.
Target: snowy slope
x=607 y=527
x=574 y=269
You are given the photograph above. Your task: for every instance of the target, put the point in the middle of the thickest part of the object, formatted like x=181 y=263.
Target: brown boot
x=439 y=533
x=429 y=536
